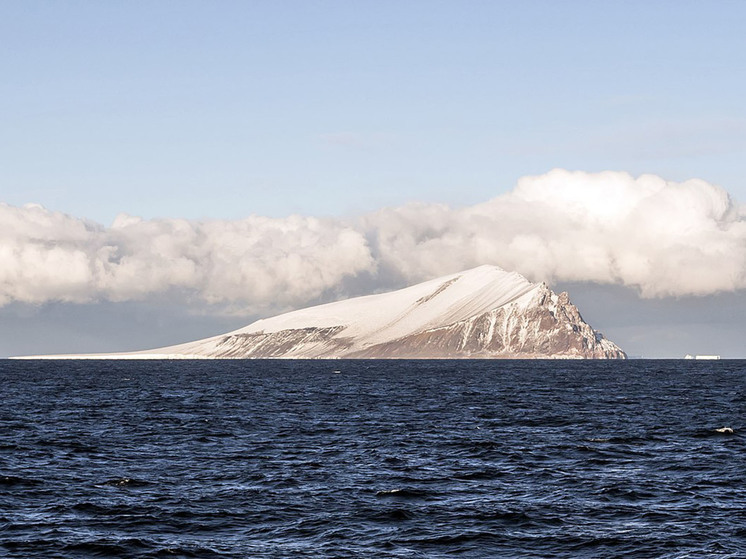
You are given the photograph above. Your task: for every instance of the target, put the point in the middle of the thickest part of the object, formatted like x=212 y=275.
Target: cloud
x=255 y=262
x=663 y=238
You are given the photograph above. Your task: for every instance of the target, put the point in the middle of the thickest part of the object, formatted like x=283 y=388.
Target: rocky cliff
x=551 y=327
x=481 y=313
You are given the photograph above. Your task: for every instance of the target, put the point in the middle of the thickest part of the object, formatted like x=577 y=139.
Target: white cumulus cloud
x=254 y=262
x=664 y=238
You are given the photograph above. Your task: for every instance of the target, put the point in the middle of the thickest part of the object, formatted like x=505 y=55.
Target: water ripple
x=385 y=459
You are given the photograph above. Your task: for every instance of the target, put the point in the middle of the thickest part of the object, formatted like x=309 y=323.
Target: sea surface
x=372 y=459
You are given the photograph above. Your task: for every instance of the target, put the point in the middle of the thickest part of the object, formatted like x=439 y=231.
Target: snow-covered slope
x=480 y=313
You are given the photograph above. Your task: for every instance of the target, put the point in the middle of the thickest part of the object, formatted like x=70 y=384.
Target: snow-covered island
x=485 y=312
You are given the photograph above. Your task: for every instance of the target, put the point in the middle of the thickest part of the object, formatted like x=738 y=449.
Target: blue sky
x=223 y=109
x=197 y=111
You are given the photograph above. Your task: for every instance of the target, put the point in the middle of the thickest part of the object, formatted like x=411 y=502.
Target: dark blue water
x=372 y=459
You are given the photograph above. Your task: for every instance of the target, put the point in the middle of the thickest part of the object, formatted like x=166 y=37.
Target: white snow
x=378 y=318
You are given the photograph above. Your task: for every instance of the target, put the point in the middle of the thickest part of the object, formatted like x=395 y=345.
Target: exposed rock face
x=551 y=326
x=481 y=313
x=280 y=344
x=546 y=329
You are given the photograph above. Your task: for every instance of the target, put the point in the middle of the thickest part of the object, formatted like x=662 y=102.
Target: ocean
x=237 y=459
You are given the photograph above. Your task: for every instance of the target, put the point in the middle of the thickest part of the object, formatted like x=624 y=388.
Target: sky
x=172 y=170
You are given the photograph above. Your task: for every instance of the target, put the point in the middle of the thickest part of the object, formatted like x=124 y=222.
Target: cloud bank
x=663 y=238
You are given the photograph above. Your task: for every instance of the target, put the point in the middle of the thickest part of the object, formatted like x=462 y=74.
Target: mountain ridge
x=484 y=312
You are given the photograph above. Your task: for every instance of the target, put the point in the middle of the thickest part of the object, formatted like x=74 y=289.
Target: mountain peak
x=484 y=312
